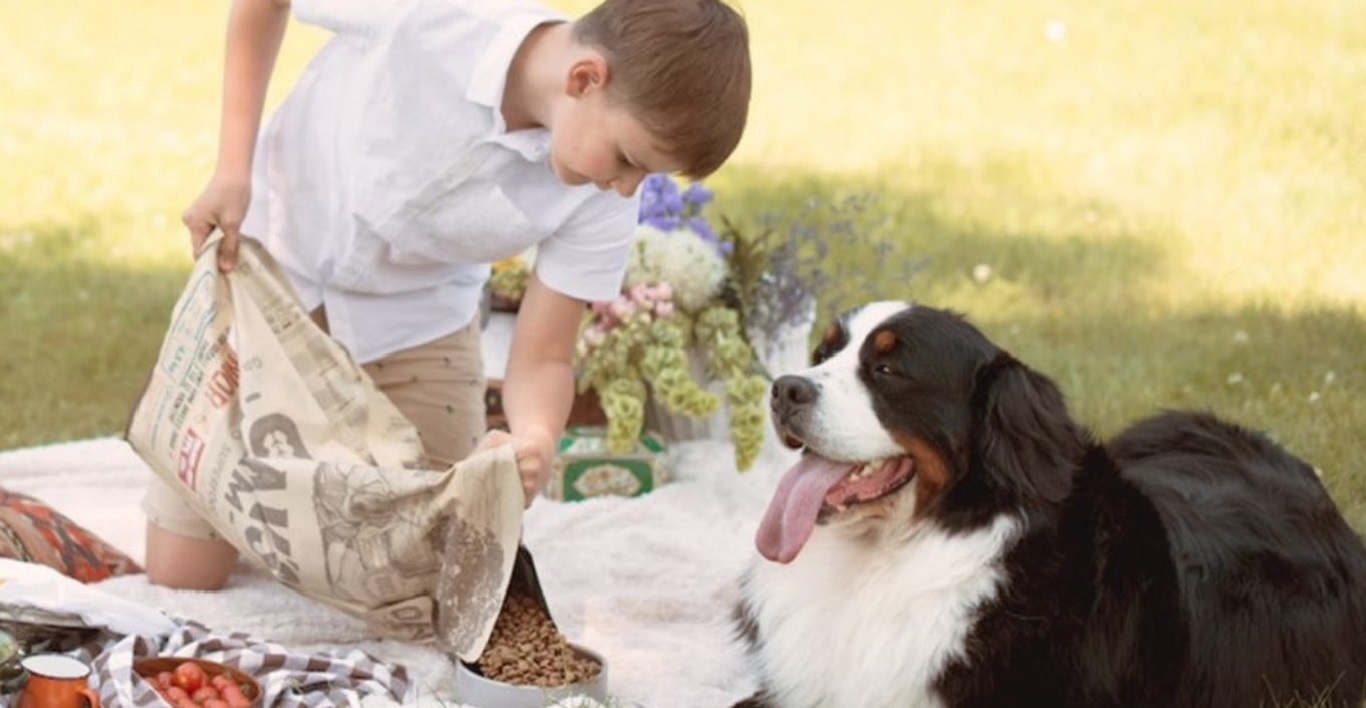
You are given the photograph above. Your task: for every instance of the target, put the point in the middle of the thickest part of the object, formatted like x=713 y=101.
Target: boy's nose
x=627 y=184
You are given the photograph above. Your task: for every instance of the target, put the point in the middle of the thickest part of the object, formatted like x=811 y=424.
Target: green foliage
x=730 y=359
x=509 y=278
x=674 y=306
x=1167 y=197
x=783 y=268
x=643 y=355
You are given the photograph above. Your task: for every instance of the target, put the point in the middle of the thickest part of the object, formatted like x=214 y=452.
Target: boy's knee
x=186 y=563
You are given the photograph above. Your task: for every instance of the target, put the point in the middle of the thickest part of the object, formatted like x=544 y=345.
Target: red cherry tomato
x=189 y=676
x=235 y=698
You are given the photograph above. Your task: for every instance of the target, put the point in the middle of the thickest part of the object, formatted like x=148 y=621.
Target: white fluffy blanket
x=648 y=582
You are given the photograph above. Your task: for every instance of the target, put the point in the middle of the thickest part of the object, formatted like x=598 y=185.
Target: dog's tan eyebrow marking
x=884 y=341
x=832 y=335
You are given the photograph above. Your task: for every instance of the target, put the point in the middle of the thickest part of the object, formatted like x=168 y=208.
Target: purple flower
x=659 y=198
x=665 y=207
x=697 y=195
x=663 y=223
x=699 y=226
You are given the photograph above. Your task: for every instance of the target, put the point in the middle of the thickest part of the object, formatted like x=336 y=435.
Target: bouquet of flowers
x=673 y=306
x=702 y=306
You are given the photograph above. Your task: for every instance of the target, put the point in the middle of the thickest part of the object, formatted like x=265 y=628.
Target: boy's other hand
x=534 y=454
x=222 y=205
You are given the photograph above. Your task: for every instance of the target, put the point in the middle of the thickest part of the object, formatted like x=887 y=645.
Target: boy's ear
x=587 y=73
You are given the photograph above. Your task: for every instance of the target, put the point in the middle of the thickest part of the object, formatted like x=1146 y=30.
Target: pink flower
x=642 y=294
x=621 y=309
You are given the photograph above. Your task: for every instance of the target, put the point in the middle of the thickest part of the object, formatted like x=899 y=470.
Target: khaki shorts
x=439 y=386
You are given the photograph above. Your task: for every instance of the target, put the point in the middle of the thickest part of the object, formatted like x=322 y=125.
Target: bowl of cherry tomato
x=195 y=683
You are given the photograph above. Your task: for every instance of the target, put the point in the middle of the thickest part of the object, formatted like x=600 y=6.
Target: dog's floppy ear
x=1023 y=438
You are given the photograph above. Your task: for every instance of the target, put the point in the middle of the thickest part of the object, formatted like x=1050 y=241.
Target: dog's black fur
x=1188 y=562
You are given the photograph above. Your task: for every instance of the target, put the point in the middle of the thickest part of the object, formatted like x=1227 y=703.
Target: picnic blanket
x=647 y=582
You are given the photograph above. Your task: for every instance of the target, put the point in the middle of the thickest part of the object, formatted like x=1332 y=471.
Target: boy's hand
x=534 y=454
x=222 y=204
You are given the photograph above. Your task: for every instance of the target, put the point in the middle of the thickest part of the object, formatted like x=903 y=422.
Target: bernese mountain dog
x=952 y=537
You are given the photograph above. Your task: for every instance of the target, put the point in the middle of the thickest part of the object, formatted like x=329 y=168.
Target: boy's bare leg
x=187 y=563
x=182 y=549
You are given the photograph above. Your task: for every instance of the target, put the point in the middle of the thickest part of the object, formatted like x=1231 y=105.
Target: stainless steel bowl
x=476 y=690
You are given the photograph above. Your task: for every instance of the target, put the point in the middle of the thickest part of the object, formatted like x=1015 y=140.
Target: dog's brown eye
x=883 y=370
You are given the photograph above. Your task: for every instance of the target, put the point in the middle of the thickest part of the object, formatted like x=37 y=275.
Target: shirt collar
x=489 y=80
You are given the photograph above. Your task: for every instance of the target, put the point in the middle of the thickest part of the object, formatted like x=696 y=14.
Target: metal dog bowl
x=474 y=689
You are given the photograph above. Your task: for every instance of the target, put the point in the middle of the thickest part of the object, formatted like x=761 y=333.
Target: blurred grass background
x=1167 y=198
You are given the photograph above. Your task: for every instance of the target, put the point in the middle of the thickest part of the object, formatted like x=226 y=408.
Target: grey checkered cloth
x=288 y=679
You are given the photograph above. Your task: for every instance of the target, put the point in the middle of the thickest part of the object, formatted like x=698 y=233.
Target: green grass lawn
x=1169 y=196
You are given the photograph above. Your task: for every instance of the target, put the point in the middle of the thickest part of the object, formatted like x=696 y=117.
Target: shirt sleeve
x=586 y=258
x=358 y=19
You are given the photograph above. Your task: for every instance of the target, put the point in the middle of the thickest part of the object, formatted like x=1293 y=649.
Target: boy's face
x=596 y=140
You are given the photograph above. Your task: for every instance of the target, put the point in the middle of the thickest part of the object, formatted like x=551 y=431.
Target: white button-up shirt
x=387 y=182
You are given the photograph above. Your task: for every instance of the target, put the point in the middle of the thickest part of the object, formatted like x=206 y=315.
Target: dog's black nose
x=791 y=392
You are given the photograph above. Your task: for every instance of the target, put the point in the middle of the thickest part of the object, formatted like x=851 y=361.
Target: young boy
x=429 y=139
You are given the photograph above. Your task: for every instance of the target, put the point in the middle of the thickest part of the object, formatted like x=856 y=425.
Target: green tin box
x=585 y=468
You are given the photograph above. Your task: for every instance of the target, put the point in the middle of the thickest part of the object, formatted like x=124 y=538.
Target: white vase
x=790 y=348
x=788 y=352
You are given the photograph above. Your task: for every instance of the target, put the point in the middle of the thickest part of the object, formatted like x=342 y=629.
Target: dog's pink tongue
x=792 y=513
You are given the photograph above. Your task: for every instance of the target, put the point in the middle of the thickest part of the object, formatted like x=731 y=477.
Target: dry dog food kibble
x=526 y=649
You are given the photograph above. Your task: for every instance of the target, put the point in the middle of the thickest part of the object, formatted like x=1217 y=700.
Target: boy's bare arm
x=539 y=388
x=256 y=29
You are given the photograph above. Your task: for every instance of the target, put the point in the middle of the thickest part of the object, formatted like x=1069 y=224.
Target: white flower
x=691 y=266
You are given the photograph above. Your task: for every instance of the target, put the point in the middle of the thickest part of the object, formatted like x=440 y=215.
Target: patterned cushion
x=33 y=531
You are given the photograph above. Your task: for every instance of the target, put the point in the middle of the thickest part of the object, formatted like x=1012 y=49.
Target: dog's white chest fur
x=858 y=623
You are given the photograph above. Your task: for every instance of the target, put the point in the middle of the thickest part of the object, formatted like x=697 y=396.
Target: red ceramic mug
x=56 y=681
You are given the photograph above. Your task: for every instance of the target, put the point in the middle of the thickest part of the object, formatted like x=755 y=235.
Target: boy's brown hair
x=682 y=69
